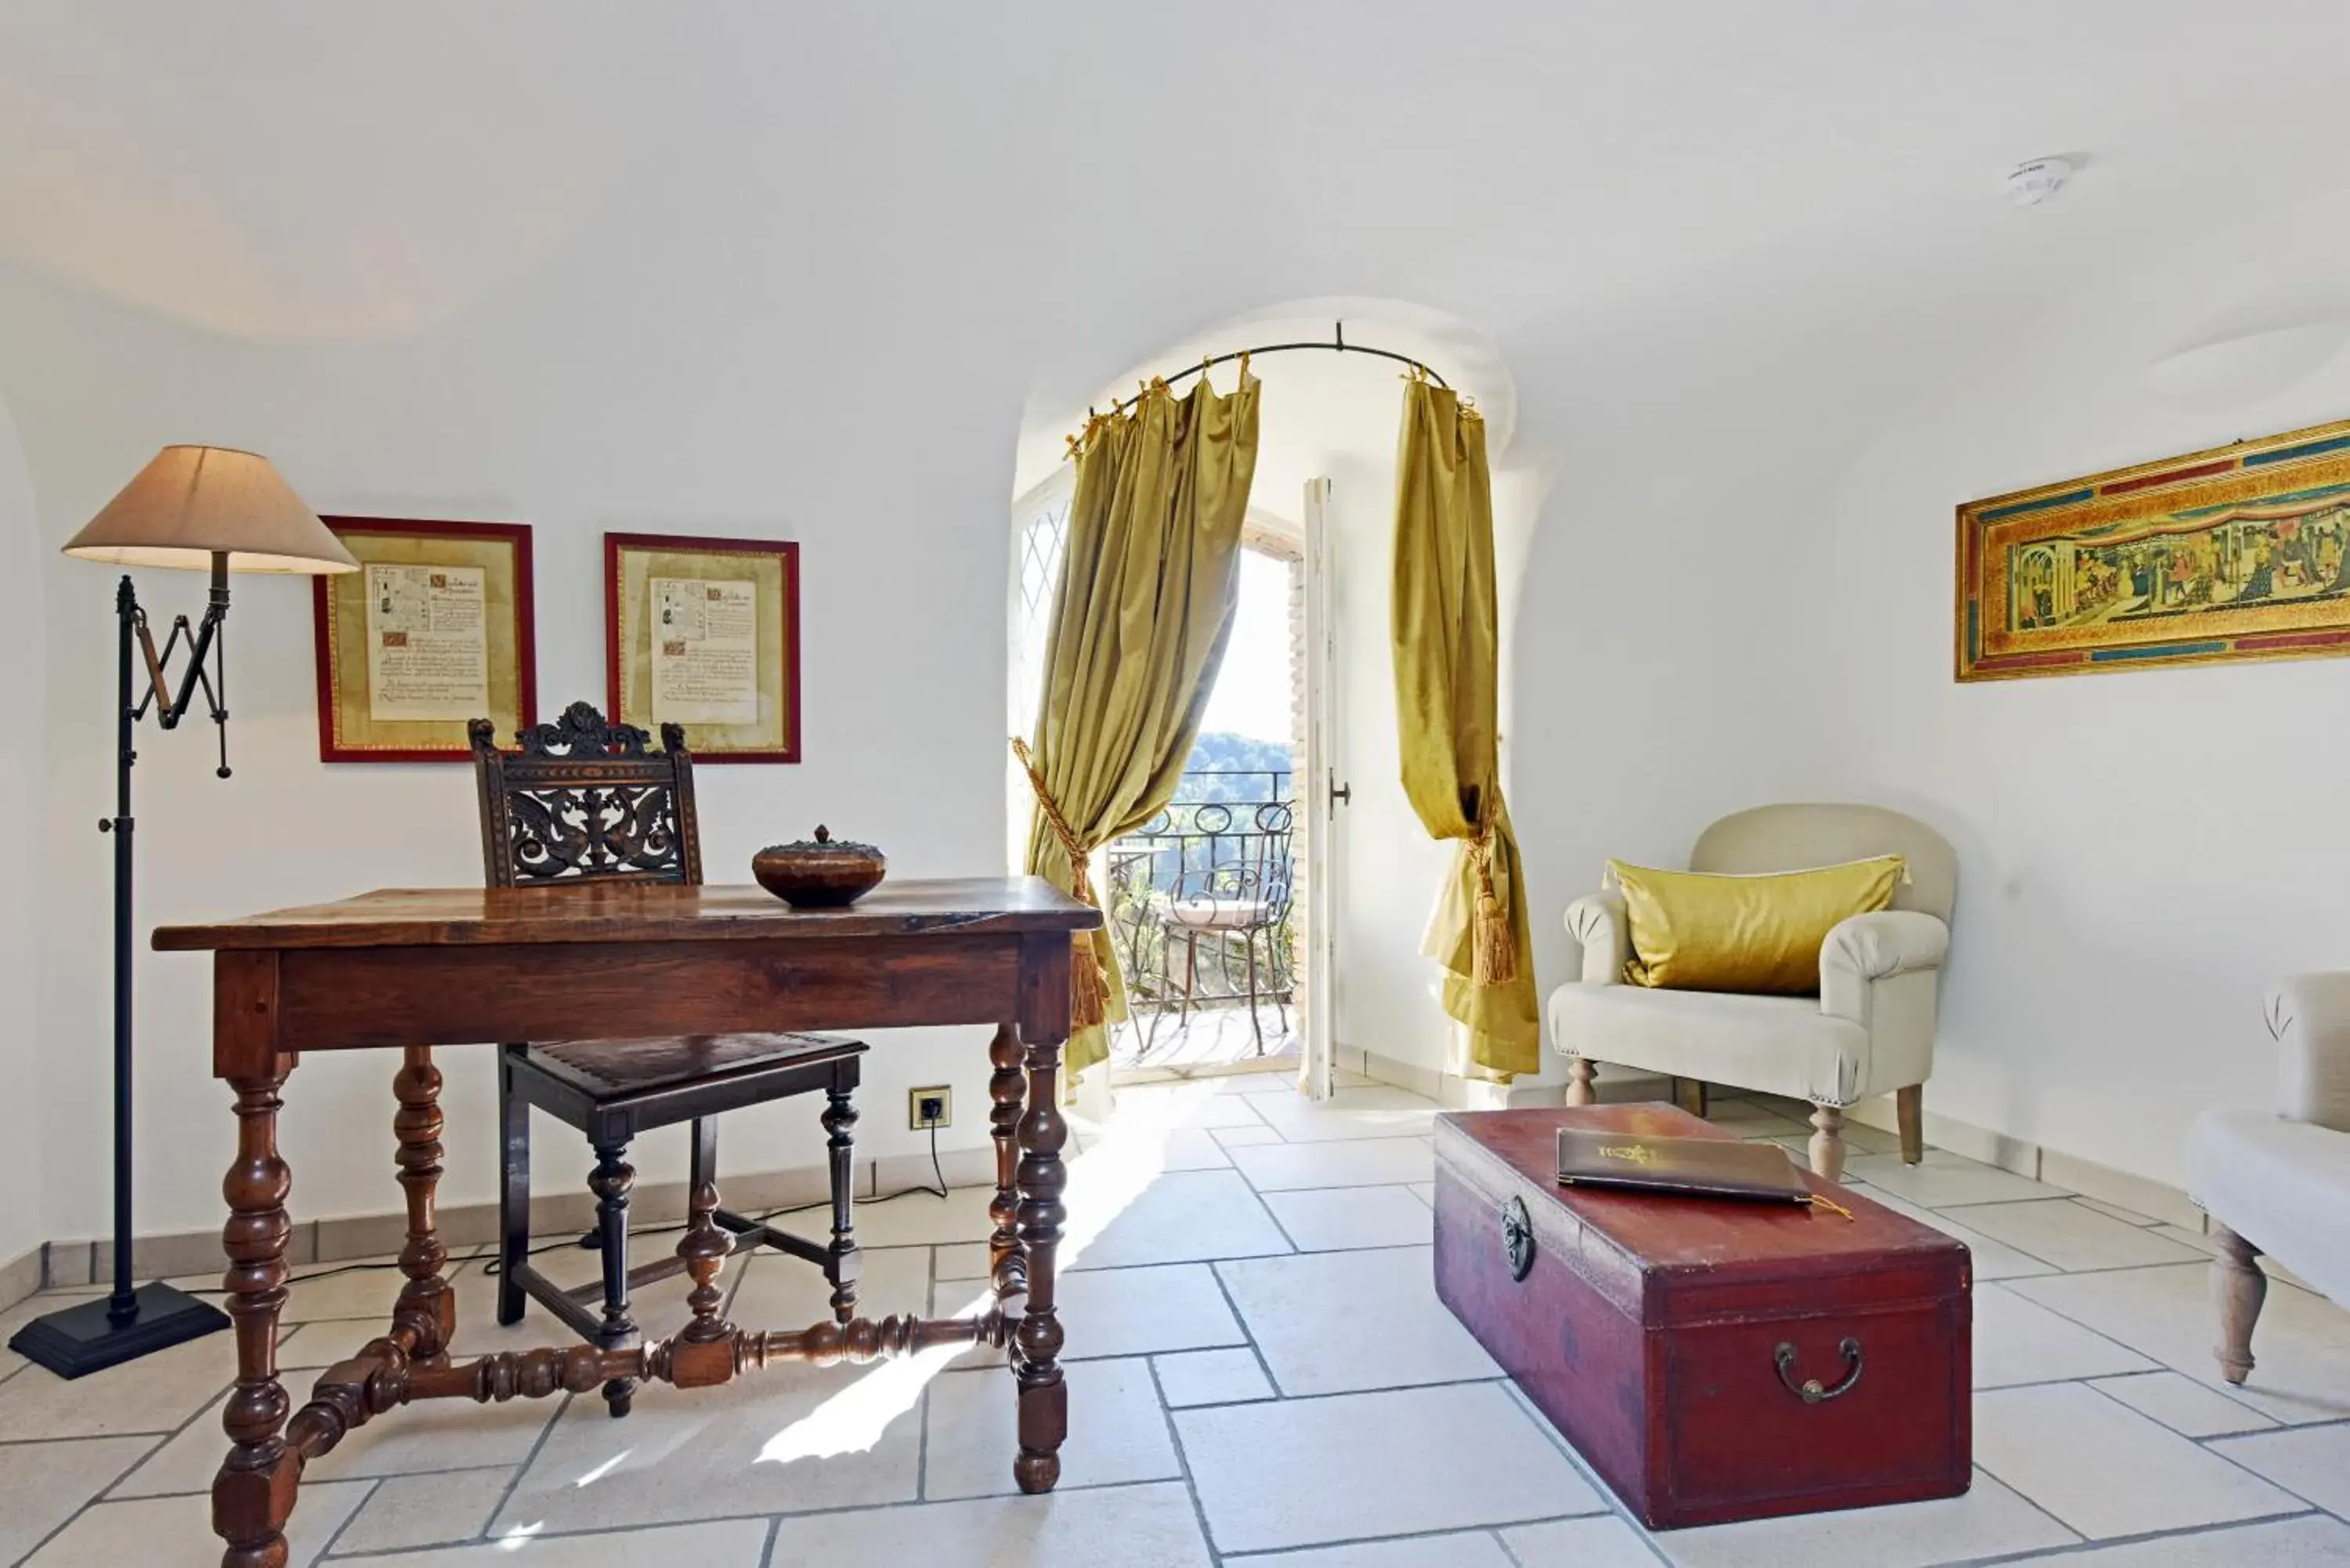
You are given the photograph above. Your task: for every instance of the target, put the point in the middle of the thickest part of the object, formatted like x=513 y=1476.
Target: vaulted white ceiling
x=1068 y=190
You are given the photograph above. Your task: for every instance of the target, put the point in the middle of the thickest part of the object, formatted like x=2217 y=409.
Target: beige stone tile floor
x=1260 y=1374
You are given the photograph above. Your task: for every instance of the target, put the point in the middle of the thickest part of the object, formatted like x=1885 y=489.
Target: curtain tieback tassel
x=1493 y=955
x=1088 y=987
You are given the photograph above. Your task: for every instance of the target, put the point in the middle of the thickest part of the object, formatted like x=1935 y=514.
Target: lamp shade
x=194 y=502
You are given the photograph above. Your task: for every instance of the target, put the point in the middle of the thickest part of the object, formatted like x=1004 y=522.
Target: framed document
x=434 y=629
x=706 y=633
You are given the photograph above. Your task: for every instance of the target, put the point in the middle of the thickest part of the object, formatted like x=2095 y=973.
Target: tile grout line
x=1182 y=1462
x=1437 y=1534
x=505 y=1499
x=1248 y=1335
x=1168 y=1413
x=773 y=1517
x=2097 y=1383
x=99 y=1498
x=335 y=1536
x=2099 y=1544
x=1616 y=1508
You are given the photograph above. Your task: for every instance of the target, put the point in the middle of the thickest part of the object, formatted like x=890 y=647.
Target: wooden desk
x=409 y=970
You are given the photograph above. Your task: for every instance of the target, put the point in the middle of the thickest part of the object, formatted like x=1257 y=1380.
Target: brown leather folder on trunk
x=1680 y=1166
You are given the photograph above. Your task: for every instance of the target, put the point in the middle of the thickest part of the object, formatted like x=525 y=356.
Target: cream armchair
x=1870 y=1031
x=2278 y=1181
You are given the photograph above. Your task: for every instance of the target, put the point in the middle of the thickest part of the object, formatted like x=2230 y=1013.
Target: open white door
x=1319 y=796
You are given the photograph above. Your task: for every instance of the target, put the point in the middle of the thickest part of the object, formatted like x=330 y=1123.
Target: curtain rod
x=1337 y=345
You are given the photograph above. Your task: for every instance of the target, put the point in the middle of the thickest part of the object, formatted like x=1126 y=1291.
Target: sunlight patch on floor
x=1127 y=1155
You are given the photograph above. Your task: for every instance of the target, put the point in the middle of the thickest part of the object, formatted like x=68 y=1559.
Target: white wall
x=786 y=276
x=22 y=1058
x=2140 y=853
x=903 y=650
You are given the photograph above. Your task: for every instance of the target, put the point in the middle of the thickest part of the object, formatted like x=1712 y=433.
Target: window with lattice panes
x=1041 y=534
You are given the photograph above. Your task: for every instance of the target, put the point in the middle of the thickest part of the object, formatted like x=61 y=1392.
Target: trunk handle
x=1810 y=1391
x=1518 y=1238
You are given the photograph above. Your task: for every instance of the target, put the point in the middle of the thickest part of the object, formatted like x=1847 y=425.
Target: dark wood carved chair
x=584 y=800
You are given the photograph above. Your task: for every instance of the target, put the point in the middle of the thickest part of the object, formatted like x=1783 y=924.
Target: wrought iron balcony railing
x=1200 y=898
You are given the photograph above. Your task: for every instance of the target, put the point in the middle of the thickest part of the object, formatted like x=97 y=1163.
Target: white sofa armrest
x=1881 y=945
x=1880 y=970
x=2309 y=1016
x=1598 y=922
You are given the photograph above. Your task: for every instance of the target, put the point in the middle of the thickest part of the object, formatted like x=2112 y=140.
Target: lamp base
x=80 y=1339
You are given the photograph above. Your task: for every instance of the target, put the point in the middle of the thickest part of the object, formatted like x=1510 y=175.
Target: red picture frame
x=331 y=749
x=703 y=744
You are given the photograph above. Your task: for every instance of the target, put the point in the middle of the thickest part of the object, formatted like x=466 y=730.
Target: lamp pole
x=131 y=1321
x=190 y=507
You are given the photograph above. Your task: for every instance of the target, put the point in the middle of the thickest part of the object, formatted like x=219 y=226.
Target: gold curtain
x=1447 y=692
x=1150 y=580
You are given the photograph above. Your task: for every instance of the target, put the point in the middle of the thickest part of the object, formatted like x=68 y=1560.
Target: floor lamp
x=204 y=508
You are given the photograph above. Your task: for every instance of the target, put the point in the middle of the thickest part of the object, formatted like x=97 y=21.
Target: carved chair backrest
x=582 y=800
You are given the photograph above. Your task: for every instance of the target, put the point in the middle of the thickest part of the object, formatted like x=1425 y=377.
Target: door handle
x=1340 y=794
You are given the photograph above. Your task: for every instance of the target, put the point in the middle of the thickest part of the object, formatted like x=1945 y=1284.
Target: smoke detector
x=2033 y=183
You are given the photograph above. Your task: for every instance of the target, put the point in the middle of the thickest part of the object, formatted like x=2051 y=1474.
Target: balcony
x=1200 y=912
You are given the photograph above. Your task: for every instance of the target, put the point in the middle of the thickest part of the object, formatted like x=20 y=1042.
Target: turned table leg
x=1579 y=1074
x=1003 y=1092
x=1044 y=1397
x=2238 y=1288
x=428 y=1304
x=254 y=1494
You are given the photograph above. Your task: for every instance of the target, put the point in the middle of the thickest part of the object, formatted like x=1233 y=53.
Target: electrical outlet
x=927 y=1108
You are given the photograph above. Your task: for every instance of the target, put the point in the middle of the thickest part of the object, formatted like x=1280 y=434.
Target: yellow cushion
x=1758 y=934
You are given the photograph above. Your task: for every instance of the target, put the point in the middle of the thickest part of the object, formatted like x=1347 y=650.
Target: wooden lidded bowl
x=819 y=873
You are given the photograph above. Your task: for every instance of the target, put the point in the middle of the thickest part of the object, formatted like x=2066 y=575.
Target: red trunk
x=1650 y=1330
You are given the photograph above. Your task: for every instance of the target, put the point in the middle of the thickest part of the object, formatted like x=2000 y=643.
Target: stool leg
x=840 y=1267
x=514 y=1195
x=1255 y=1026
x=610 y=1182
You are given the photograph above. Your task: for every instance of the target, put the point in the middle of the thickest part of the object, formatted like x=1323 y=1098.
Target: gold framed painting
x=705 y=633
x=2239 y=553
x=435 y=628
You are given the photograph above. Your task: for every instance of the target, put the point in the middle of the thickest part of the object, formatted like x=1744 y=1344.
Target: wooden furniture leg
x=1827 y=1142
x=428 y=1305
x=1580 y=1073
x=254 y=1493
x=2237 y=1289
x=514 y=1189
x=703 y=1355
x=1005 y=1092
x=611 y=1182
x=1689 y=1093
x=841 y=1264
x=1044 y=1397
x=1911 y=1104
